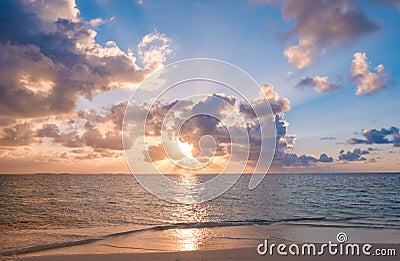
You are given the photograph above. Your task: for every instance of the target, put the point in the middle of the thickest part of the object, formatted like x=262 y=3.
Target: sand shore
x=206 y=255
x=222 y=243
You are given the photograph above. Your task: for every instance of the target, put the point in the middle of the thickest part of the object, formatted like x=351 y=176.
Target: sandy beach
x=226 y=254
x=224 y=243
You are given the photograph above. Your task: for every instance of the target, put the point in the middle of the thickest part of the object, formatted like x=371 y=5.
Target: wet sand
x=222 y=243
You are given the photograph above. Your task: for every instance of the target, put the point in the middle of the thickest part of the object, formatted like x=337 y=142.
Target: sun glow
x=189 y=239
x=186 y=149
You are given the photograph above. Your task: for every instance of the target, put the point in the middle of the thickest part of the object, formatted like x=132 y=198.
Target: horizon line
x=273 y=173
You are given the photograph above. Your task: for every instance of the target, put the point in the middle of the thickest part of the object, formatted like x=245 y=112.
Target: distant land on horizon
x=273 y=173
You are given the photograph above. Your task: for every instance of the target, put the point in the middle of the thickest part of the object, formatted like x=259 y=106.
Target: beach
x=237 y=254
x=223 y=243
x=225 y=254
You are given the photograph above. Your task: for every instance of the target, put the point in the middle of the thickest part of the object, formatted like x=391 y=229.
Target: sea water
x=49 y=211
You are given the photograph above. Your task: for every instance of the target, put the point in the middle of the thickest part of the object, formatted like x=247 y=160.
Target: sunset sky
x=330 y=70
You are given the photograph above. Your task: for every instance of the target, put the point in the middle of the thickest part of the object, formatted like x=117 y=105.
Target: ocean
x=40 y=212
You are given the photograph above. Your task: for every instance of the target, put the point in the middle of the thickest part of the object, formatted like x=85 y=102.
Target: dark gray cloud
x=292 y=159
x=325 y=158
x=378 y=136
x=318 y=83
x=356 y=154
x=328 y=138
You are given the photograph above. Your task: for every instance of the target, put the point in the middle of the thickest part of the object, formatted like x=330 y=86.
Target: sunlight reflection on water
x=189 y=239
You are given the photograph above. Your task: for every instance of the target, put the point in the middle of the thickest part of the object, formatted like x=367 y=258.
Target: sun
x=186 y=149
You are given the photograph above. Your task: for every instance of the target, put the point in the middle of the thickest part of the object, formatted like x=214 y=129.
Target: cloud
x=328 y=138
x=71 y=139
x=49 y=58
x=214 y=104
x=219 y=105
x=325 y=158
x=277 y=104
x=17 y=135
x=202 y=125
x=286 y=143
x=319 y=25
x=96 y=22
x=52 y=11
x=318 y=83
x=85 y=129
x=367 y=82
x=109 y=140
x=301 y=55
x=378 y=136
x=292 y=159
x=154 y=153
x=153 y=49
x=5 y=121
x=354 y=155
x=371 y=160
x=48 y=130
x=91 y=134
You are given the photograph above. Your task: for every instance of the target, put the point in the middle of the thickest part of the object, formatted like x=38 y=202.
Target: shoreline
x=237 y=254
x=217 y=243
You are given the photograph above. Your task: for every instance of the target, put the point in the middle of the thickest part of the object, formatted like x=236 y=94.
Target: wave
x=320 y=222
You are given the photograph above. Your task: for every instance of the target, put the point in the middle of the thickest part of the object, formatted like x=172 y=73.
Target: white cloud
x=51 y=11
x=367 y=81
x=153 y=49
x=96 y=22
x=301 y=55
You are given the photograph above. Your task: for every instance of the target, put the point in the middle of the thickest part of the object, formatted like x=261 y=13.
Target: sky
x=329 y=70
